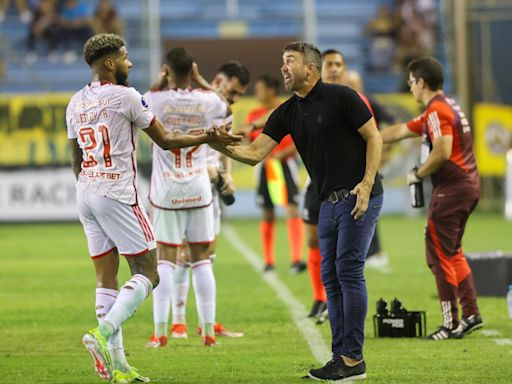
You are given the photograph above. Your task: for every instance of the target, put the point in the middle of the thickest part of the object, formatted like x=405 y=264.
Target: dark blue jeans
x=344 y=243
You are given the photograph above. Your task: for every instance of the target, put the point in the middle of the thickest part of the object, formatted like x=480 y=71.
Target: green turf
x=47 y=303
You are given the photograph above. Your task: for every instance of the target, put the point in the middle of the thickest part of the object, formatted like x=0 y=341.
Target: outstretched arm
x=250 y=154
x=396 y=132
x=171 y=140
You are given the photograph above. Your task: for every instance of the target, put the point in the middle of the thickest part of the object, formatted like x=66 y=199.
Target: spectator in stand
x=407 y=50
x=382 y=32
x=75 y=23
x=23 y=9
x=44 y=27
x=106 y=19
x=417 y=35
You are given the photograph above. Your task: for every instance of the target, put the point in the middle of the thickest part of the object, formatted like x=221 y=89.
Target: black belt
x=340 y=194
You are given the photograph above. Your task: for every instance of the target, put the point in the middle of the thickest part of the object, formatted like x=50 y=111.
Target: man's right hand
x=164 y=79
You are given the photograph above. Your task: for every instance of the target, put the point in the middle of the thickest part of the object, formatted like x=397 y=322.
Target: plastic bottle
x=509 y=301
x=416 y=190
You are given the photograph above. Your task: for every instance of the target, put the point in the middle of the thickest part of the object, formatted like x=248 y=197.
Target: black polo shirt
x=324 y=127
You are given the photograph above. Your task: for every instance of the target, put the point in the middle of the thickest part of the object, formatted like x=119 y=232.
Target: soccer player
x=337 y=138
x=230 y=82
x=102 y=122
x=277 y=179
x=181 y=197
x=447 y=157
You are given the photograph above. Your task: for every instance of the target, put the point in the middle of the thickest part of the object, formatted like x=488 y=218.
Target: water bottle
x=416 y=189
x=509 y=301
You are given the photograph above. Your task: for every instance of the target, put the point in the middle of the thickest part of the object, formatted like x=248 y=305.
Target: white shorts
x=194 y=225
x=110 y=224
x=217 y=213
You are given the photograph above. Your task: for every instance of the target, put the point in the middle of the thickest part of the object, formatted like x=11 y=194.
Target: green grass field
x=47 y=303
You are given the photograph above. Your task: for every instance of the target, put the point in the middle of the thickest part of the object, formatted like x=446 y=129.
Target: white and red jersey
x=179 y=179
x=104 y=118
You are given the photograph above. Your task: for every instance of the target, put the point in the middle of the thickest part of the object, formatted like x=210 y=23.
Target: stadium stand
x=339 y=26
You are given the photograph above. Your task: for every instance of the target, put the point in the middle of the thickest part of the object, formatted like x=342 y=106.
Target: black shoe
x=323 y=317
x=298 y=267
x=470 y=324
x=317 y=308
x=338 y=371
x=268 y=268
x=444 y=333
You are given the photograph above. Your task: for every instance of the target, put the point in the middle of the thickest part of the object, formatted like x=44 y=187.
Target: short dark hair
x=101 y=45
x=235 y=69
x=270 y=82
x=180 y=61
x=428 y=69
x=332 y=52
x=310 y=53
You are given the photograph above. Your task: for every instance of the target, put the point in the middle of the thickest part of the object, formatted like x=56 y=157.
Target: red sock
x=314 y=262
x=267 y=238
x=295 y=235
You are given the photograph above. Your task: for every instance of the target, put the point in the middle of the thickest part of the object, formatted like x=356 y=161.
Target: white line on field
x=503 y=341
x=490 y=332
x=297 y=310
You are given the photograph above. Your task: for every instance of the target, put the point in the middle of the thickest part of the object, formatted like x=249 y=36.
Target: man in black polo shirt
x=340 y=145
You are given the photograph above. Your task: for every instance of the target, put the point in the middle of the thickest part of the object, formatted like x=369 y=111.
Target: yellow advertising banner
x=493 y=137
x=33 y=129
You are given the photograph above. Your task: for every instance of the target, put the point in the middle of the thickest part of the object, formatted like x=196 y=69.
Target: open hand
x=221 y=135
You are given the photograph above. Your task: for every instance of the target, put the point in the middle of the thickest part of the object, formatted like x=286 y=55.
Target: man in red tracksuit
x=447 y=157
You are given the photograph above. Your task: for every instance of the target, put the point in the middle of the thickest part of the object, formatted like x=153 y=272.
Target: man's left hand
x=412 y=177
x=228 y=188
x=362 y=190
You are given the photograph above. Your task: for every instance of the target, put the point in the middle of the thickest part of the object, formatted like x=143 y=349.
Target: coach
x=340 y=146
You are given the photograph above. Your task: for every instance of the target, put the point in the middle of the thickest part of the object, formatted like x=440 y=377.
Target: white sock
x=204 y=287
x=162 y=297
x=131 y=296
x=105 y=299
x=180 y=293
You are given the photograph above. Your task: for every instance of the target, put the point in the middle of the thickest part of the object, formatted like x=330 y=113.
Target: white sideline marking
x=490 y=332
x=503 y=341
x=298 y=312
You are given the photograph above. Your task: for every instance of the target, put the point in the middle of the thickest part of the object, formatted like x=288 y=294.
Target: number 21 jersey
x=104 y=118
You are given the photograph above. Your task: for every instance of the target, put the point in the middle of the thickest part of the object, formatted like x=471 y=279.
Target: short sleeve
x=137 y=109
x=275 y=127
x=353 y=107
x=415 y=125
x=439 y=121
x=219 y=107
x=69 y=122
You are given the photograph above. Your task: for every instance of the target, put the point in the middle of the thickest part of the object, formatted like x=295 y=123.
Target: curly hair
x=100 y=45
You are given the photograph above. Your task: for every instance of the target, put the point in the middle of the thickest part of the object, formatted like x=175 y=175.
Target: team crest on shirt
x=144 y=102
